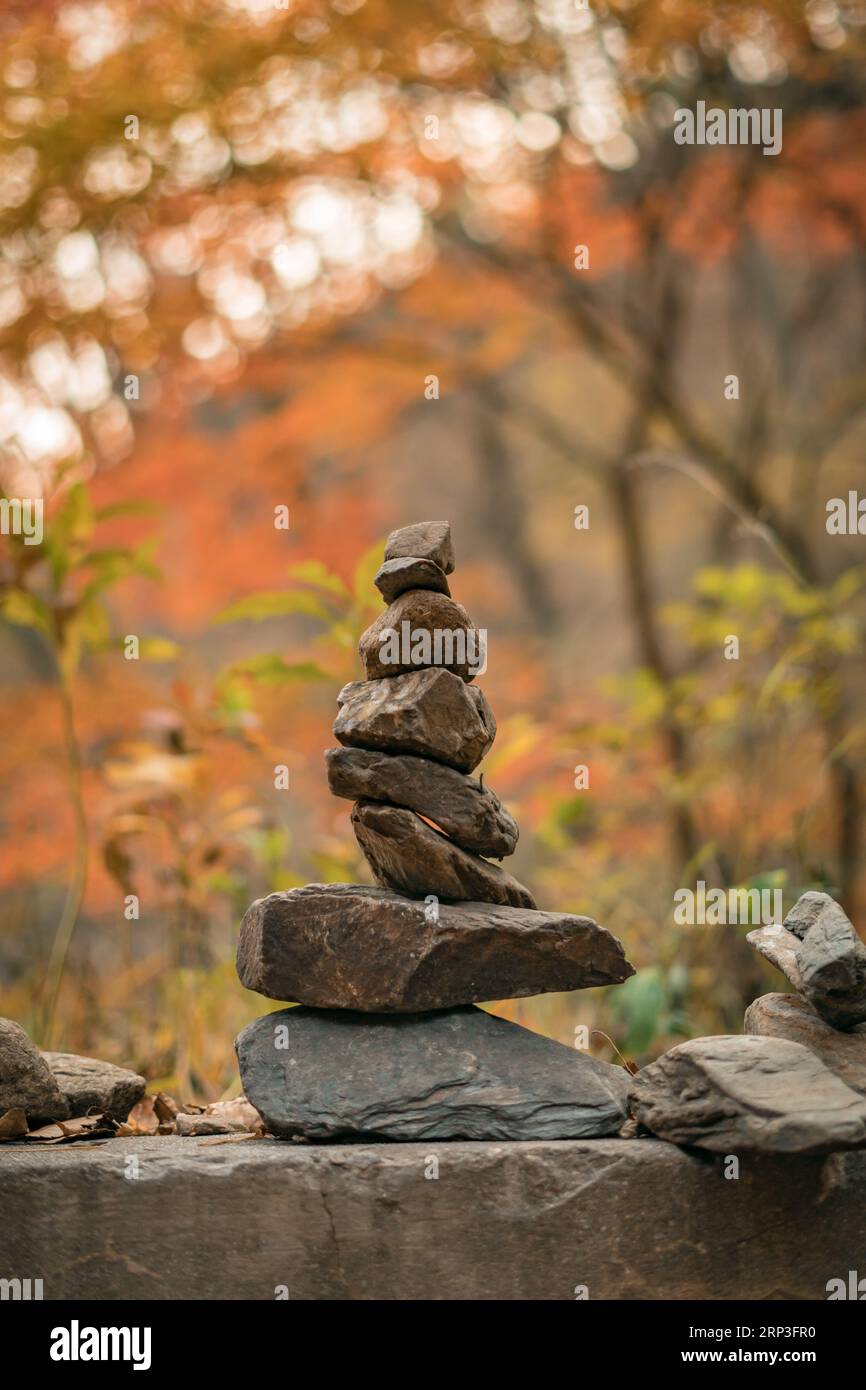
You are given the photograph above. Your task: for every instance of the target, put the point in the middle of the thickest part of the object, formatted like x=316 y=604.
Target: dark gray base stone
x=261 y=1219
x=456 y=1074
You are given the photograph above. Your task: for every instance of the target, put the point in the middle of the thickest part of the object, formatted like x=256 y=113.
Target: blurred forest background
x=239 y=238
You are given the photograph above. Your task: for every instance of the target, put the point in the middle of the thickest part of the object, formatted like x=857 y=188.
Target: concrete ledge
x=627 y=1218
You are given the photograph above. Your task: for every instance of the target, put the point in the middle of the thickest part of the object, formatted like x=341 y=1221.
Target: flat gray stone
x=441 y=1220
x=458 y=1073
x=461 y=806
x=821 y=955
x=733 y=1094
x=347 y=946
x=89 y=1084
x=409 y=856
x=789 y=1016
x=431 y=713
x=419 y=630
x=425 y=540
x=26 y=1080
x=395 y=577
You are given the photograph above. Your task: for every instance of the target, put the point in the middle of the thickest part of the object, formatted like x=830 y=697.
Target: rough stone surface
x=734 y=1094
x=455 y=1074
x=411 y=857
x=821 y=955
x=406 y=622
x=26 y=1080
x=628 y=1219
x=346 y=946
x=789 y=1016
x=432 y=714
x=89 y=1084
x=425 y=540
x=466 y=810
x=395 y=577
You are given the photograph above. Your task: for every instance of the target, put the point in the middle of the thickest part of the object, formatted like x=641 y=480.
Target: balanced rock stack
x=387 y=1041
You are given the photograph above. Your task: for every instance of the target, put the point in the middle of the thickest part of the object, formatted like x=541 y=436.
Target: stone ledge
x=627 y=1218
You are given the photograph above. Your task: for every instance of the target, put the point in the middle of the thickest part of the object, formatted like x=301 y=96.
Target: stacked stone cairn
x=795 y=1082
x=388 y=1041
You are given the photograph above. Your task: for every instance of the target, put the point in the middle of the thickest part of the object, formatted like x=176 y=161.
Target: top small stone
x=426 y=540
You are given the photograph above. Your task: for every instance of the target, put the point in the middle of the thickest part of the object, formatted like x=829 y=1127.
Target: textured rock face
x=460 y=1073
x=411 y=857
x=395 y=577
x=432 y=714
x=738 y=1094
x=821 y=955
x=426 y=540
x=789 y=1016
x=467 y=811
x=345 y=946
x=26 y=1080
x=421 y=629
x=89 y=1084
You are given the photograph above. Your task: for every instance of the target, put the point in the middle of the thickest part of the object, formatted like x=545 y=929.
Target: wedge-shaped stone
x=421 y=629
x=459 y=1074
x=431 y=713
x=820 y=953
x=346 y=946
x=396 y=577
x=425 y=540
x=737 y=1094
x=461 y=806
x=409 y=856
x=789 y=1016
x=89 y=1084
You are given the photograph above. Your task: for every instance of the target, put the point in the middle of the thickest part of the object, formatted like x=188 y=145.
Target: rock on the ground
x=409 y=856
x=419 y=630
x=346 y=946
x=89 y=1084
x=738 y=1094
x=821 y=955
x=26 y=1080
x=459 y=1073
x=431 y=714
x=789 y=1016
x=425 y=540
x=395 y=577
x=461 y=806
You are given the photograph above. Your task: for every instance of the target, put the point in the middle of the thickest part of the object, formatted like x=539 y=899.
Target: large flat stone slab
x=409 y=856
x=462 y=806
x=175 y=1219
x=346 y=946
x=432 y=714
x=733 y=1094
x=453 y=1074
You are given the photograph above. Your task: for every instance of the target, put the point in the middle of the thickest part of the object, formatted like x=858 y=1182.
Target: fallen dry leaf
x=64 y=1131
x=142 y=1118
x=166 y=1108
x=13 y=1125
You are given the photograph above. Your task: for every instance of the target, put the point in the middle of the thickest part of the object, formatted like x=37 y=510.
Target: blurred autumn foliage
x=323 y=257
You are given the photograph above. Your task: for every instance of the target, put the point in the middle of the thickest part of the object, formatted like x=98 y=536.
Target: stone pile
x=388 y=1041
x=796 y=1082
